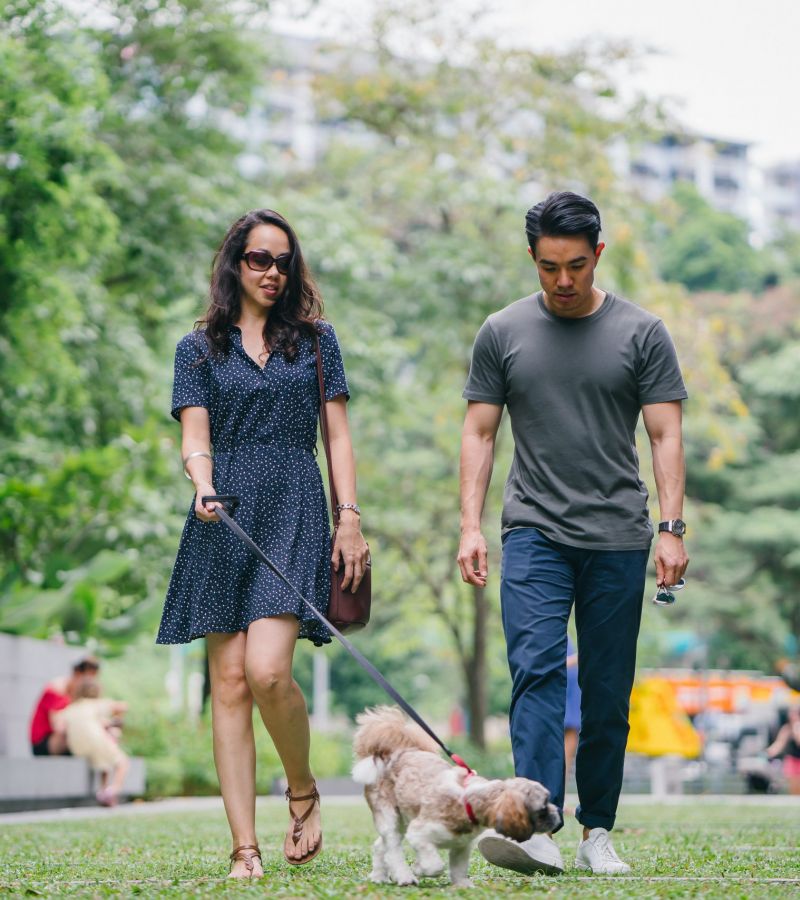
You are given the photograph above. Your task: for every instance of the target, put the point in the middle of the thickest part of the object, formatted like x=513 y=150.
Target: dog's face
x=522 y=809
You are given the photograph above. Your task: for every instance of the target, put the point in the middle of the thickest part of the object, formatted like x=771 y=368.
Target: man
x=48 y=737
x=575 y=365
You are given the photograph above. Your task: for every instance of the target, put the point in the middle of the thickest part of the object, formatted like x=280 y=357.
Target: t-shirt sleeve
x=190 y=386
x=332 y=365
x=659 y=374
x=486 y=380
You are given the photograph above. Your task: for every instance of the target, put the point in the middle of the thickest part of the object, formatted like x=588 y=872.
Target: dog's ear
x=511 y=815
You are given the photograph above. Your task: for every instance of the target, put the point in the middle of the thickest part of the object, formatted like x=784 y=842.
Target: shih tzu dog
x=413 y=791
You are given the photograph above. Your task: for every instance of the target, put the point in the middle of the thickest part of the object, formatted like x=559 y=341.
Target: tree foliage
x=705 y=249
x=121 y=139
x=116 y=178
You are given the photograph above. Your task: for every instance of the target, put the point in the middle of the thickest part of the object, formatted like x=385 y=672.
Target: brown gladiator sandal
x=299 y=822
x=247 y=858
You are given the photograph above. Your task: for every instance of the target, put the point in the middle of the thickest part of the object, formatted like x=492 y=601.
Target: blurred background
x=405 y=143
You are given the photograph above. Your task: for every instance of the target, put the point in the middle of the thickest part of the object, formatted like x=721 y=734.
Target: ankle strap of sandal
x=314 y=795
x=246 y=858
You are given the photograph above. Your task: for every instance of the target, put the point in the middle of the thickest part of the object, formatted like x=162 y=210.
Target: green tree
x=705 y=249
x=117 y=175
x=459 y=145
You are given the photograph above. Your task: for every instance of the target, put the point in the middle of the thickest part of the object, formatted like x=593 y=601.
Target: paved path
x=214 y=804
x=148 y=808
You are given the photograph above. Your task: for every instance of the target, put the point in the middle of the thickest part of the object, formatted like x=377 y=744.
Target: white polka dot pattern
x=263 y=431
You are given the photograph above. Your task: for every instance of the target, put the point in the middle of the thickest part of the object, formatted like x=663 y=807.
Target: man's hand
x=472 y=550
x=670 y=559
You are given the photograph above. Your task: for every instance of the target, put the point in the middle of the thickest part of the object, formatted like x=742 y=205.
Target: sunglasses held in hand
x=263 y=261
x=665 y=595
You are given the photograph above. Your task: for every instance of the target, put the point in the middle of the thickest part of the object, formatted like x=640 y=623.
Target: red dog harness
x=470 y=772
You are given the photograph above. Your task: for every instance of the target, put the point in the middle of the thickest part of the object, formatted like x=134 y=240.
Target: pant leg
x=536 y=590
x=608 y=610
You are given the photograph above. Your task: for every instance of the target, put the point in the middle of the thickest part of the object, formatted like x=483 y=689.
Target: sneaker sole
x=587 y=868
x=508 y=854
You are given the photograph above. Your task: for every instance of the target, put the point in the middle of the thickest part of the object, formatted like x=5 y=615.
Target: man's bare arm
x=477 y=456
x=663 y=424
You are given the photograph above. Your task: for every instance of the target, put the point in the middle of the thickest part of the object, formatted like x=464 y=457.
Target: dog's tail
x=384 y=729
x=368 y=770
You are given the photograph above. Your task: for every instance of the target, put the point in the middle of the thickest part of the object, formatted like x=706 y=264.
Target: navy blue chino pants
x=540 y=580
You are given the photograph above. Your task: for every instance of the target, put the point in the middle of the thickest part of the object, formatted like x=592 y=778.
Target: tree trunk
x=475 y=667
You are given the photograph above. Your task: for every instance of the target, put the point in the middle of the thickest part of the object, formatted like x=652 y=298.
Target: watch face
x=678 y=527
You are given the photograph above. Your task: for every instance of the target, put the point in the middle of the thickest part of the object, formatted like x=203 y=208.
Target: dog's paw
x=462 y=883
x=429 y=869
x=379 y=877
x=404 y=879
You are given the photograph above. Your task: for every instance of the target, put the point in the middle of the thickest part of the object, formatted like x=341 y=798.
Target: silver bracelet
x=191 y=456
x=354 y=506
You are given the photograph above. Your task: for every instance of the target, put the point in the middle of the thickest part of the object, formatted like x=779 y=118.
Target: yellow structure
x=659 y=727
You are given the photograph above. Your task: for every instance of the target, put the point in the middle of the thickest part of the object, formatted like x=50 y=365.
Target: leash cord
x=222 y=512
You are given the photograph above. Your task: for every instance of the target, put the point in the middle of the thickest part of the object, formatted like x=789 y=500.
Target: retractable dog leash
x=229 y=503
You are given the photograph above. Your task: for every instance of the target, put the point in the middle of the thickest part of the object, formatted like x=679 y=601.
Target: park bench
x=47 y=782
x=39 y=782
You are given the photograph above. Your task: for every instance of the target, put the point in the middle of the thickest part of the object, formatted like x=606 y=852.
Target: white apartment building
x=782 y=196
x=721 y=170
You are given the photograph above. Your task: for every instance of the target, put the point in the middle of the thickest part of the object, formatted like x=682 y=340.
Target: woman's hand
x=350 y=549
x=205 y=512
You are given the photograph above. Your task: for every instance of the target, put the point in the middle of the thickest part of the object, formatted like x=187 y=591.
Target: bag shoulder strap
x=323 y=427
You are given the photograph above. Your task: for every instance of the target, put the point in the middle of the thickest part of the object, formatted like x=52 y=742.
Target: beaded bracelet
x=354 y=506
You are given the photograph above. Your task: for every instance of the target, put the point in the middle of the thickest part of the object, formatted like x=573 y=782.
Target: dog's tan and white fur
x=413 y=791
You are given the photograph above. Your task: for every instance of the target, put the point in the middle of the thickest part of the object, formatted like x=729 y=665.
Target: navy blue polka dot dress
x=263 y=432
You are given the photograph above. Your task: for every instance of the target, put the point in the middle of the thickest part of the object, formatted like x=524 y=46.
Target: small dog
x=412 y=790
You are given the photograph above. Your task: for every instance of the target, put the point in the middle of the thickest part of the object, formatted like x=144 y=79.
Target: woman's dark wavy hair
x=296 y=312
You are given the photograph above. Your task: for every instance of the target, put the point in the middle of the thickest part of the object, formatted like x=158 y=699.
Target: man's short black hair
x=563 y=214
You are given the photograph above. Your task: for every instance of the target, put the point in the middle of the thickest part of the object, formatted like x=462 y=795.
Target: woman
x=787 y=744
x=246 y=384
x=47 y=735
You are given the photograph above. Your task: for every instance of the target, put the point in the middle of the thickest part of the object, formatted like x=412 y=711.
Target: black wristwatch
x=673 y=526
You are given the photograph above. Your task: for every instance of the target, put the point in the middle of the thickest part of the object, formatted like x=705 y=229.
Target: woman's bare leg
x=234 y=745
x=268 y=664
x=118 y=779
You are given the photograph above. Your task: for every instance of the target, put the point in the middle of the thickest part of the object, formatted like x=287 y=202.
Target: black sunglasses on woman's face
x=263 y=261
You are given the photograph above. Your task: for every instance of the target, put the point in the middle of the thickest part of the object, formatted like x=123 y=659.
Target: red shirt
x=50 y=701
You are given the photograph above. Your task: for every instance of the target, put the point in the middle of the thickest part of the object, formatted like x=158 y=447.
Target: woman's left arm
x=350 y=546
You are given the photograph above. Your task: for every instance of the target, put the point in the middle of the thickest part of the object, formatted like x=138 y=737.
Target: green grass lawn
x=697 y=849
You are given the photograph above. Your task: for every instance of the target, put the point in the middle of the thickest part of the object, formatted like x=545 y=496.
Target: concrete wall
x=26 y=665
x=45 y=782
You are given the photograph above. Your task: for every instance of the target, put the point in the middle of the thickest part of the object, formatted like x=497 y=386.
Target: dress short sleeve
x=332 y=365
x=190 y=386
x=486 y=379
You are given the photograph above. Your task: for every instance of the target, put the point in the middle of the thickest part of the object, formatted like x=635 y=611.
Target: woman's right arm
x=777 y=746
x=196 y=438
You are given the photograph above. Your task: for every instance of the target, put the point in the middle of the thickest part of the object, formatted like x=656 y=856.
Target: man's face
x=566 y=272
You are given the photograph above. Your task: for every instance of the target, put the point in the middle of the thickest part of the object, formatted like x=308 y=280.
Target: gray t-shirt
x=574 y=389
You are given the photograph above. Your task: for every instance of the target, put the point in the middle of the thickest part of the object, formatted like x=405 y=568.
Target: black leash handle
x=230 y=502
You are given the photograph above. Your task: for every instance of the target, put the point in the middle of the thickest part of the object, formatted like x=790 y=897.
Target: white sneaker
x=597 y=854
x=537 y=854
